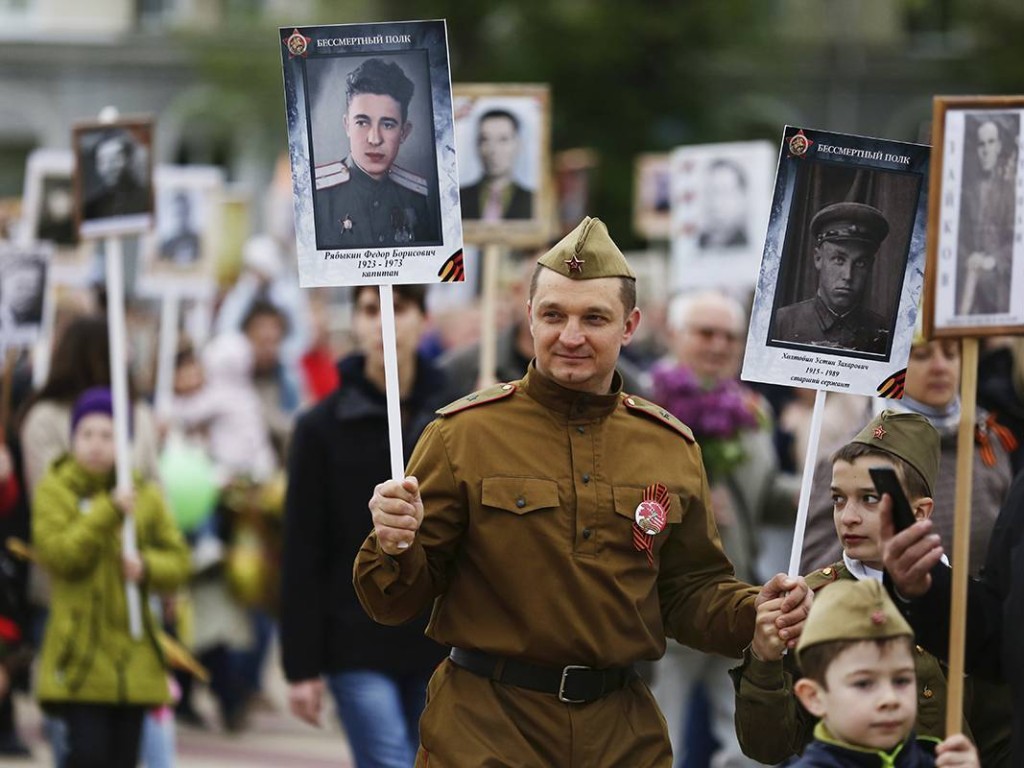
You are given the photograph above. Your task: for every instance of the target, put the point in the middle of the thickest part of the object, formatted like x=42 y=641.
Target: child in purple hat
x=93 y=674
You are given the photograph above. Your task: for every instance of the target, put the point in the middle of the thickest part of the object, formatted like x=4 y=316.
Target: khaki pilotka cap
x=852 y=610
x=587 y=252
x=908 y=436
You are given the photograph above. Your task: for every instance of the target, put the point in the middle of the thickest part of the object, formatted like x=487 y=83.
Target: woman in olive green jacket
x=92 y=671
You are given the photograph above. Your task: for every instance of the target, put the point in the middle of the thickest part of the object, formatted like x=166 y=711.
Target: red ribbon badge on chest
x=650 y=519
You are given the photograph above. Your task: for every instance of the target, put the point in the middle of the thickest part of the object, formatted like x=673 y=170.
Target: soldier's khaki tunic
x=527 y=545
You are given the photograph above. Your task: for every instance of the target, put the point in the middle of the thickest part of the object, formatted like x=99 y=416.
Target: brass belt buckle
x=561 y=686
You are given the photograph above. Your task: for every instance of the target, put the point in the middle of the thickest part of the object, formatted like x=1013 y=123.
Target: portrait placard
x=49 y=210
x=113 y=177
x=575 y=170
x=842 y=270
x=721 y=197
x=372 y=145
x=503 y=138
x=180 y=252
x=975 y=276
x=652 y=196
x=24 y=272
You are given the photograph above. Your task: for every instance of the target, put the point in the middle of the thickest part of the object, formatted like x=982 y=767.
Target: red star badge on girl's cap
x=879 y=433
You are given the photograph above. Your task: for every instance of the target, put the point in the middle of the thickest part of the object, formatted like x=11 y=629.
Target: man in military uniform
x=564 y=528
x=846 y=237
x=366 y=201
x=497 y=196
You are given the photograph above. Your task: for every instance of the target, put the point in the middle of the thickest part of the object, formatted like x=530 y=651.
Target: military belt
x=573 y=684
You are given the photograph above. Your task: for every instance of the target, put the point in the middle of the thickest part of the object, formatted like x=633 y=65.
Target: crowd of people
x=515 y=546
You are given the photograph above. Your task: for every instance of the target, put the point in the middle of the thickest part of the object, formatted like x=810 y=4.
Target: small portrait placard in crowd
x=503 y=137
x=113 y=177
x=721 y=195
x=652 y=196
x=975 y=276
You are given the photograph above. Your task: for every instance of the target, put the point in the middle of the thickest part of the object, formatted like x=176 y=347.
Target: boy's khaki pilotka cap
x=852 y=610
x=587 y=252
x=908 y=436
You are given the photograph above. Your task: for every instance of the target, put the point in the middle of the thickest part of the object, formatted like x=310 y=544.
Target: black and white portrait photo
x=114 y=177
x=720 y=202
x=23 y=275
x=188 y=223
x=503 y=143
x=373 y=151
x=844 y=258
x=837 y=294
x=179 y=240
x=56 y=219
x=987 y=207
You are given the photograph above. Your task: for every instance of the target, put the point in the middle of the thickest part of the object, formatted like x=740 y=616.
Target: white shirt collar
x=861 y=571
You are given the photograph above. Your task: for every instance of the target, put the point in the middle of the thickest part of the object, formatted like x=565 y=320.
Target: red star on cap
x=575 y=264
x=879 y=433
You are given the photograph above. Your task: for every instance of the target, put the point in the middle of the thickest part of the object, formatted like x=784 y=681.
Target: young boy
x=93 y=673
x=770 y=724
x=857 y=655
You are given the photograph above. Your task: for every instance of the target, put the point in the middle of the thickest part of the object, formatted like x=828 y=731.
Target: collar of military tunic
x=570 y=402
x=359 y=176
x=828 y=318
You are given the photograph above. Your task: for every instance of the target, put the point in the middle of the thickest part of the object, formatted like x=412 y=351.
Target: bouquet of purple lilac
x=716 y=411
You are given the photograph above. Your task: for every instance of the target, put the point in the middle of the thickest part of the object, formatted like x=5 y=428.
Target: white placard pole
x=170 y=304
x=387 y=328
x=119 y=389
x=810 y=461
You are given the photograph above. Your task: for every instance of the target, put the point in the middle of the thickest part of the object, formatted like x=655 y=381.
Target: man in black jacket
x=920 y=583
x=340 y=450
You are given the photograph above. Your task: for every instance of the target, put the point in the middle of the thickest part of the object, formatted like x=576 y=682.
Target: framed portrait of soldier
x=180 y=251
x=842 y=270
x=975 y=276
x=652 y=196
x=49 y=207
x=721 y=195
x=372 y=146
x=575 y=171
x=503 y=139
x=113 y=177
x=24 y=272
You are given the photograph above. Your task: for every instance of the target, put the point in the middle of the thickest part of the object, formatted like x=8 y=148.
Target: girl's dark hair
x=80 y=361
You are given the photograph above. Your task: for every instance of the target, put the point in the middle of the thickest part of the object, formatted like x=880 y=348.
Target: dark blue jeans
x=380 y=713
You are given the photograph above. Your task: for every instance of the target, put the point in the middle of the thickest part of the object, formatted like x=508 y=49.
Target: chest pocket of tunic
x=519 y=495
x=626 y=500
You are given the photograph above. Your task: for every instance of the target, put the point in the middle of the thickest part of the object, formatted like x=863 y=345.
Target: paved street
x=273 y=738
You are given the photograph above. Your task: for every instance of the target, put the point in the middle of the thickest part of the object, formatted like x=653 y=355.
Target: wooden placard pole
x=10 y=356
x=810 y=460
x=122 y=413
x=961 y=534
x=488 y=321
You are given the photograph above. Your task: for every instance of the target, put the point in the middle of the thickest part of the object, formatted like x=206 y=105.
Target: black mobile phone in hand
x=886 y=481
